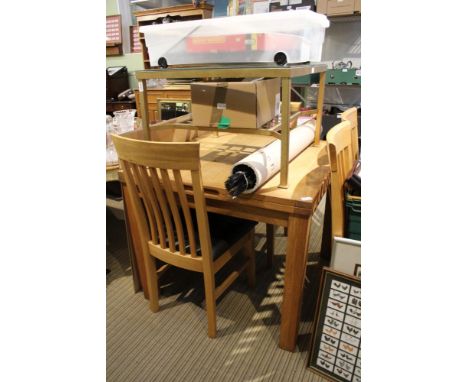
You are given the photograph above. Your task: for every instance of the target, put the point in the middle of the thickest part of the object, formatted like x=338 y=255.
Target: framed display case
x=335 y=351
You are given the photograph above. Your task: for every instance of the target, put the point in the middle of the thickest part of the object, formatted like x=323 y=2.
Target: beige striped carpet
x=172 y=344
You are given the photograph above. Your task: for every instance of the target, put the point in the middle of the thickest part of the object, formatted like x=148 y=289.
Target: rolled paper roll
x=254 y=170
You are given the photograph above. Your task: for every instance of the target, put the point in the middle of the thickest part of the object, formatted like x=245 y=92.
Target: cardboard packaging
x=357 y=6
x=243 y=104
x=322 y=6
x=338 y=7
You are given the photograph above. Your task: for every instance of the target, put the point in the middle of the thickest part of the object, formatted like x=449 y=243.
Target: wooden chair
x=351 y=115
x=340 y=152
x=167 y=229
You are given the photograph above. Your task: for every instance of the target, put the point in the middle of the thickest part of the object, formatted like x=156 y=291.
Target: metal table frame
x=286 y=73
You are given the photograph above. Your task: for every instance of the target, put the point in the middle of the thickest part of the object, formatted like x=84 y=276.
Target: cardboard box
x=357 y=6
x=322 y=6
x=243 y=104
x=338 y=7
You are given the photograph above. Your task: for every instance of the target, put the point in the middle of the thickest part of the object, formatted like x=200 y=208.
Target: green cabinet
x=346 y=76
x=343 y=77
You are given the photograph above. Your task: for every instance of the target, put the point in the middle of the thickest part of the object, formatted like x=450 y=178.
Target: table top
x=306 y=172
x=309 y=172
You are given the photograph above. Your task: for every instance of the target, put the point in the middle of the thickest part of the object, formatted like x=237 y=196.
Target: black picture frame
x=335 y=349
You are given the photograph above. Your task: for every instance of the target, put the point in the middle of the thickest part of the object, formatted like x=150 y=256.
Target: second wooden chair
x=341 y=162
x=351 y=115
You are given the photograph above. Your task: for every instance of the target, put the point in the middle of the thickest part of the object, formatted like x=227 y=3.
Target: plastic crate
x=353 y=217
x=281 y=37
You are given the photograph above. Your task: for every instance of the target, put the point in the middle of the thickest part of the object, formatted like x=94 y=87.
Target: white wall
x=343 y=42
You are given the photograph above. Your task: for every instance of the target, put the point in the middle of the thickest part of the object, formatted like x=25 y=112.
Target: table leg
x=270 y=242
x=296 y=259
x=134 y=243
x=133 y=263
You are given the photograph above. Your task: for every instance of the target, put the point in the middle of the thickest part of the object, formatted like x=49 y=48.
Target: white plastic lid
x=277 y=20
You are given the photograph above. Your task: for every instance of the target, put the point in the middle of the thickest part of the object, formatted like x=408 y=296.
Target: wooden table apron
x=292 y=208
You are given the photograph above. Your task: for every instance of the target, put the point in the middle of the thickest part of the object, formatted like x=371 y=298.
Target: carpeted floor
x=172 y=344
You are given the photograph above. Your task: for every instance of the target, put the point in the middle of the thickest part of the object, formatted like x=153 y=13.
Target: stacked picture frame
x=335 y=351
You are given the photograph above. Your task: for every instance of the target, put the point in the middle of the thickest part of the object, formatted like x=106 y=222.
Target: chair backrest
x=341 y=162
x=351 y=115
x=152 y=172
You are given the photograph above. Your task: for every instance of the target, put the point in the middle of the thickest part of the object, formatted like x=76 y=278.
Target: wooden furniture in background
x=153 y=175
x=341 y=162
x=292 y=207
x=112 y=106
x=173 y=92
x=185 y=12
x=339 y=7
x=114 y=35
x=351 y=115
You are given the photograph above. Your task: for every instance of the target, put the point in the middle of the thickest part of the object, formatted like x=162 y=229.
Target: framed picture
x=335 y=351
x=114 y=29
x=114 y=35
x=346 y=256
x=135 y=45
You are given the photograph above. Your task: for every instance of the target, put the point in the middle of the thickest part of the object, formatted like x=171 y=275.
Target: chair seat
x=226 y=231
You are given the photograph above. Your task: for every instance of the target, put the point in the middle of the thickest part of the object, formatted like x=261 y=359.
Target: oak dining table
x=291 y=207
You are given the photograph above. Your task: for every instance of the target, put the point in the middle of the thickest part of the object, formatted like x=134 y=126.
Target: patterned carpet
x=172 y=344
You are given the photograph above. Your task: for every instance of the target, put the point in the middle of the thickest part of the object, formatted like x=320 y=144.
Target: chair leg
x=152 y=280
x=270 y=237
x=249 y=251
x=210 y=301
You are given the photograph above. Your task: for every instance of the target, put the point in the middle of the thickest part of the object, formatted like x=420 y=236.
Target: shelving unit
x=184 y=12
x=277 y=130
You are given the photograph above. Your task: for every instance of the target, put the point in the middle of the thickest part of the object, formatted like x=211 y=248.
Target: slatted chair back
x=341 y=162
x=351 y=115
x=152 y=171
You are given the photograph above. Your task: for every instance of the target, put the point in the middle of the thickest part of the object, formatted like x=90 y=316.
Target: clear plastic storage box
x=281 y=37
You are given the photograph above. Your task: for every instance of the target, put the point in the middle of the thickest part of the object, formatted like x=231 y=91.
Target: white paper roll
x=266 y=162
